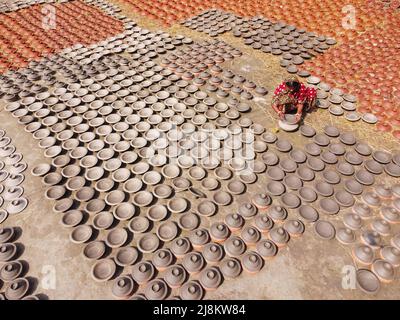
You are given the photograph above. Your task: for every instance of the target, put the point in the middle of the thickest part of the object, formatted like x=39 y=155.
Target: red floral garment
x=304 y=94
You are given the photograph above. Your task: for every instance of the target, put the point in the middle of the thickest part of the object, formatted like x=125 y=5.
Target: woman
x=292 y=96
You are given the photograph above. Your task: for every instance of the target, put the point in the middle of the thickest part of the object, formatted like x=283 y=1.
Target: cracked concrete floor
x=308 y=268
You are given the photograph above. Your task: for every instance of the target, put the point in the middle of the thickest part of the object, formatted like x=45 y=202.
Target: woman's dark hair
x=295 y=85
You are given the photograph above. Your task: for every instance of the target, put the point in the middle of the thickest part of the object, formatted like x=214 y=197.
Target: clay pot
x=193 y=262
x=252 y=262
x=167 y=231
x=17 y=289
x=180 y=247
x=116 y=238
x=367 y=281
x=123 y=287
x=191 y=290
x=175 y=276
x=11 y=270
x=6 y=234
x=162 y=259
x=103 y=270
x=94 y=250
x=324 y=229
x=143 y=272
x=148 y=243
x=210 y=278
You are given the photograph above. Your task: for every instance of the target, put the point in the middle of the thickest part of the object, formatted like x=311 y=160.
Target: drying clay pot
x=383 y=191
x=10 y=271
x=299 y=156
x=219 y=231
x=283 y=145
x=266 y=248
x=143 y=272
x=390 y=214
x=262 y=201
x=81 y=234
x=199 y=238
x=373 y=166
x=308 y=213
x=329 y=206
x=294 y=227
x=126 y=256
x=252 y=262
x=103 y=270
x=250 y=235
x=247 y=210
x=180 y=247
x=177 y=205
x=231 y=268
x=17 y=205
x=345 y=235
x=206 y=208
x=381 y=226
x=234 y=221
x=139 y=224
x=213 y=252
x=353 y=186
x=17 y=289
x=41 y=169
x=123 y=287
x=344 y=198
x=391 y=255
x=6 y=234
x=210 y=278
x=324 y=229
x=234 y=246
x=371 y=198
x=72 y=218
x=279 y=236
x=142 y=198
x=162 y=259
x=167 y=231
x=305 y=174
x=383 y=270
x=148 y=243
x=290 y=200
x=367 y=281
x=193 y=262
x=371 y=238
x=116 y=238
x=94 y=250
x=175 y=276
x=191 y=290
x=156 y=289
x=345 y=168
x=363 y=254
x=307 y=131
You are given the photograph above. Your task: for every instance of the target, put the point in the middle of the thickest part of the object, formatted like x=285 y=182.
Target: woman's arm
x=278 y=109
x=299 y=112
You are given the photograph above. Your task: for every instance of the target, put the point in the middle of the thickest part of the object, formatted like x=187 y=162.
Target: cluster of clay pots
x=25 y=39
x=260 y=33
x=199 y=62
x=13 y=284
x=12 y=169
x=374 y=81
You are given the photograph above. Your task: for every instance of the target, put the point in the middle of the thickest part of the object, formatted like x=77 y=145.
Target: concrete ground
x=308 y=268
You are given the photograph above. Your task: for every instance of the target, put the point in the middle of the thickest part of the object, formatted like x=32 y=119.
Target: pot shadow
x=17 y=234
x=20 y=251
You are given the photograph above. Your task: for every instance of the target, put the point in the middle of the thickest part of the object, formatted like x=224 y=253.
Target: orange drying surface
x=30 y=33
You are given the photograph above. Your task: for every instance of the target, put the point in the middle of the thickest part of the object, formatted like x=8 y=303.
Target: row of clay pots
x=17 y=286
x=12 y=169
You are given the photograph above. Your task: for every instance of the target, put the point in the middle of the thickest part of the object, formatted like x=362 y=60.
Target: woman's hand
x=298 y=117
x=281 y=115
